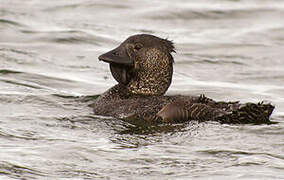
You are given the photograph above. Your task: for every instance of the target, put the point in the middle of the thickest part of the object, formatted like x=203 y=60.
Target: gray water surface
x=50 y=74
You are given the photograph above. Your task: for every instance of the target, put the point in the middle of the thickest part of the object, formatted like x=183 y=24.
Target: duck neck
x=151 y=82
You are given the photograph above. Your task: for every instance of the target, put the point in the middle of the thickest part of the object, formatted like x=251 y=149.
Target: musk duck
x=143 y=67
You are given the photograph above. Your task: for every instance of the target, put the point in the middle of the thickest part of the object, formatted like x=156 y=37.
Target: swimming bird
x=143 y=67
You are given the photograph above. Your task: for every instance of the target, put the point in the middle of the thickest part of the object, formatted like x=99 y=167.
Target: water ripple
x=18 y=171
x=10 y=22
x=50 y=77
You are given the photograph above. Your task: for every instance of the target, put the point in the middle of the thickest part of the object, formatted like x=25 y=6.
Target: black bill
x=120 y=64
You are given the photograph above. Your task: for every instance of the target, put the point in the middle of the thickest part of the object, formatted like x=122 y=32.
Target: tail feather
x=248 y=113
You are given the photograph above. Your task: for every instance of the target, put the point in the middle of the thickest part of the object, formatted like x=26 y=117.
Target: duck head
x=143 y=64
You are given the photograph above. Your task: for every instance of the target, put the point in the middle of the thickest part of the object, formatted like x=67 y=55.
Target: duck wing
x=206 y=109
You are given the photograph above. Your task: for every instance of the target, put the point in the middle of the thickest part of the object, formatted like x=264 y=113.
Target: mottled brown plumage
x=143 y=67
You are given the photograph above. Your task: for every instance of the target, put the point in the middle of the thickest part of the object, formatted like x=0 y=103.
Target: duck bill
x=118 y=55
x=120 y=64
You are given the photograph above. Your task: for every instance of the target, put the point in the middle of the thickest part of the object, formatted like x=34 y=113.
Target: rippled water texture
x=50 y=74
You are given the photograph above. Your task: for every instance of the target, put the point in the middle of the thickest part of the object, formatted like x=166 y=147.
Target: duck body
x=175 y=109
x=142 y=66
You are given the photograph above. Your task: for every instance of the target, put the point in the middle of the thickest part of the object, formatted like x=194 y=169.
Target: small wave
x=209 y=61
x=89 y=5
x=216 y=152
x=68 y=36
x=29 y=85
x=18 y=171
x=64 y=36
x=16 y=51
x=65 y=96
x=8 y=135
x=209 y=13
x=235 y=60
x=79 y=173
x=6 y=71
x=10 y=22
x=44 y=83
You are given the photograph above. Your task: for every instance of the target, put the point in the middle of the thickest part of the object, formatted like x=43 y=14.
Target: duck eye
x=138 y=46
